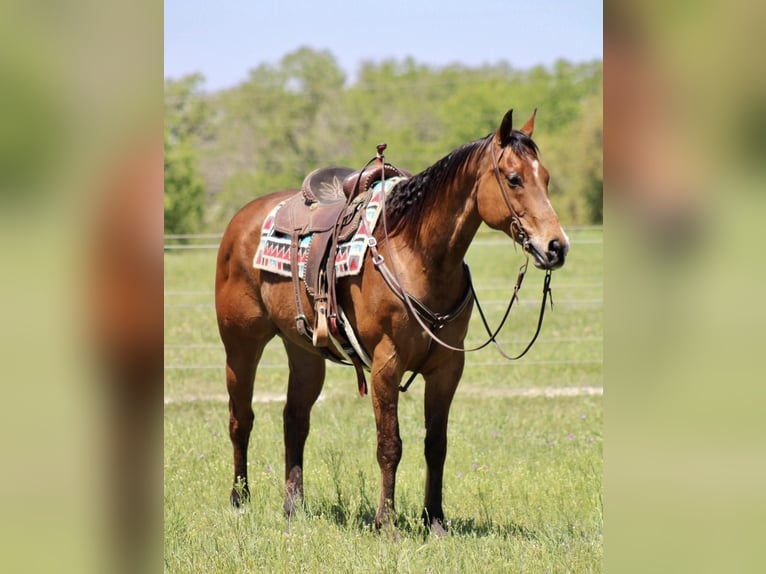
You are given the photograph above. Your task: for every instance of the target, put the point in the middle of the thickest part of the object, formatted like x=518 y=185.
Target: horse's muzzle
x=553 y=257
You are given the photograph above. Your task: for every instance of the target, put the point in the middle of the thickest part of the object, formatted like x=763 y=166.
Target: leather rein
x=423 y=314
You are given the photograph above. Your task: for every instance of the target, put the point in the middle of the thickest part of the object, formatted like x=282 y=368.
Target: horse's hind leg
x=307 y=372
x=242 y=356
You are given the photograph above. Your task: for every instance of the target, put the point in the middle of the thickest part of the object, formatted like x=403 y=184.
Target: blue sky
x=225 y=39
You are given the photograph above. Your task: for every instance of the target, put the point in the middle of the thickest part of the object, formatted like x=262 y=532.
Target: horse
x=429 y=221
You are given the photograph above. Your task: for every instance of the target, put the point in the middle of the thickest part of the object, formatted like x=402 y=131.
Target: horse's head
x=512 y=194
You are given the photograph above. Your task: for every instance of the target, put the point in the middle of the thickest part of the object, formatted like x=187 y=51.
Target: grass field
x=523 y=474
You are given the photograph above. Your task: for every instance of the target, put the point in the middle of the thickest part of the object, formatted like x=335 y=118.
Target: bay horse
x=431 y=220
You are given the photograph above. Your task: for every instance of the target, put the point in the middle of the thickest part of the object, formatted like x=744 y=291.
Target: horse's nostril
x=557 y=251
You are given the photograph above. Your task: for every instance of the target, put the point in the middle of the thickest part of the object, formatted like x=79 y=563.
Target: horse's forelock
x=521 y=144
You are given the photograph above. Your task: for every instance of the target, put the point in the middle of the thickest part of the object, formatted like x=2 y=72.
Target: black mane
x=412 y=198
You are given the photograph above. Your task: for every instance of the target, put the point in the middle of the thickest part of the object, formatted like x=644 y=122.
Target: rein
x=420 y=311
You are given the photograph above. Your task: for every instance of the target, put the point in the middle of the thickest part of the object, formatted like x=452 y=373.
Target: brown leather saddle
x=329 y=208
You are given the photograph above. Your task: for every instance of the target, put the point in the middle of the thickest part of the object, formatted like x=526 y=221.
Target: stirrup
x=321 y=331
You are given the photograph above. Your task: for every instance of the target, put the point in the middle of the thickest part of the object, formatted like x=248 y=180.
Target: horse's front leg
x=386 y=375
x=440 y=389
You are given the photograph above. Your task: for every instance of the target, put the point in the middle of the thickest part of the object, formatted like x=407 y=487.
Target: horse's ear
x=529 y=127
x=506 y=126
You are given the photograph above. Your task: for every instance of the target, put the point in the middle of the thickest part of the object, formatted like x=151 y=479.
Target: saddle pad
x=274 y=249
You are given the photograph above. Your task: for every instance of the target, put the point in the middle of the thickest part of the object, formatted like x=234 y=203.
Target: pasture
x=522 y=489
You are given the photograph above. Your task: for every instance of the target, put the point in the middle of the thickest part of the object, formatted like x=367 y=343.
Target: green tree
x=283 y=122
x=575 y=159
x=187 y=111
x=184 y=190
x=186 y=114
x=298 y=114
x=592 y=129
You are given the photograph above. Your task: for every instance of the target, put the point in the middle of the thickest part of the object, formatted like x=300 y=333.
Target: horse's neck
x=447 y=229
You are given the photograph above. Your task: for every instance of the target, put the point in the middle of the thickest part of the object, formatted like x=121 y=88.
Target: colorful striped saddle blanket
x=273 y=252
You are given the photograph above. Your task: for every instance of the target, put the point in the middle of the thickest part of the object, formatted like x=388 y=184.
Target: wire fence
x=183 y=303
x=186 y=241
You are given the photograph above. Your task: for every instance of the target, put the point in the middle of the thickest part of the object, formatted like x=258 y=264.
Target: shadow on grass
x=472 y=527
x=358 y=512
x=409 y=522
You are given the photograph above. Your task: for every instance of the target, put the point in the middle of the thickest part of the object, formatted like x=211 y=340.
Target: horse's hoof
x=293 y=491
x=385 y=523
x=435 y=523
x=438 y=529
x=385 y=527
x=291 y=505
x=239 y=496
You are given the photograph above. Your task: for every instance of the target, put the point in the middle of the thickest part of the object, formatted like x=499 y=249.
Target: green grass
x=523 y=474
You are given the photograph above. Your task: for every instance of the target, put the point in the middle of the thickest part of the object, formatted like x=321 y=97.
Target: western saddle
x=328 y=207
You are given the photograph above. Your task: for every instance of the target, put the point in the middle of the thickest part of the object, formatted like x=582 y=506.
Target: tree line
x=224 y=148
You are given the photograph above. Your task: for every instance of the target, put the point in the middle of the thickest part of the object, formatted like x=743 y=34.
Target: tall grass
x=523 y=473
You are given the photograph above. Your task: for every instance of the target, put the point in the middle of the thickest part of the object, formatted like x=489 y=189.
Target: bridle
x=422 y=313
x=523 y=238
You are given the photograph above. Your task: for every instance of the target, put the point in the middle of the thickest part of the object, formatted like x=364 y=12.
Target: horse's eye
x=514 y=180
